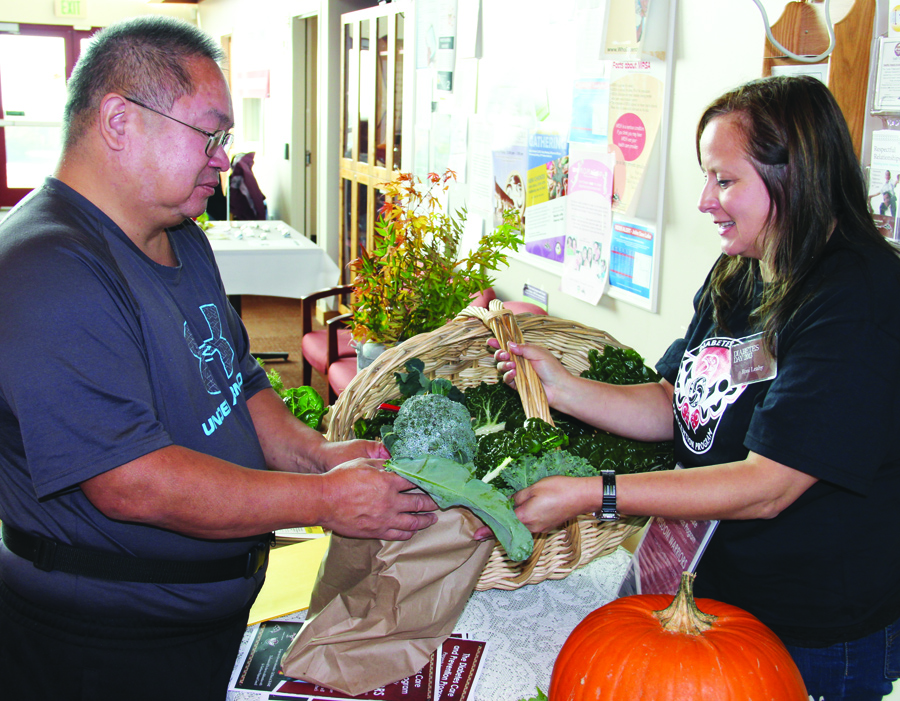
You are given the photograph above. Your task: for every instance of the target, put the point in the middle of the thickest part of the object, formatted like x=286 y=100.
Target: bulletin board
x=560 y=110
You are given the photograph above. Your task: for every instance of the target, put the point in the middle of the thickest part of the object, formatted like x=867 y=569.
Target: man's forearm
x=288 y=444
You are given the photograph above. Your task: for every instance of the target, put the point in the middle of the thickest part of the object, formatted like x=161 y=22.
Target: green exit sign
x=71 y=8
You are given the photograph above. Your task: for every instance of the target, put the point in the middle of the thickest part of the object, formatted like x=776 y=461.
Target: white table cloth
x=524 y=628
x=269 y=258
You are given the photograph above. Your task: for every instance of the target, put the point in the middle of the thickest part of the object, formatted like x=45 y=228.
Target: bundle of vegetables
x=513 y=452
x=476 y=448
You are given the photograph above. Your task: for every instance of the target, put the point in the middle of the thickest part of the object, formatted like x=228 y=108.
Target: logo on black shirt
x=703 y=390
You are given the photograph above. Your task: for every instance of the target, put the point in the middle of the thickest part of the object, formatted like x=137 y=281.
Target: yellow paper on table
x=289 y=579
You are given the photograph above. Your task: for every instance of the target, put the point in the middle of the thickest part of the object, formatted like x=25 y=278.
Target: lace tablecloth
x=524 y=628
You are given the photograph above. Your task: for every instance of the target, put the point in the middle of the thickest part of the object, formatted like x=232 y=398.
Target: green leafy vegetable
x=306 y=404
x=534 y=437
x=618 y=366
x=414 y=381
x=528 y=469
x=370 y=429
x=492 y=406
x=452 y=484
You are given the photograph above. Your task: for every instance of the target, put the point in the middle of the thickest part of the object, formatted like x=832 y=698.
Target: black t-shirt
x=826 y=569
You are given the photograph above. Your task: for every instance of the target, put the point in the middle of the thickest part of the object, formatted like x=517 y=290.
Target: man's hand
x=360 y=500
x=330 y=455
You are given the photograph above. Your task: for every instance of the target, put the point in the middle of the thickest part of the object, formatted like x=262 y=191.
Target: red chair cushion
x=340 y=373
x=483 y=299
x=314 y=346
x=523 y=307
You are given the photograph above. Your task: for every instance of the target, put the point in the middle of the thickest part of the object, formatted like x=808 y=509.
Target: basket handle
x=502 y=323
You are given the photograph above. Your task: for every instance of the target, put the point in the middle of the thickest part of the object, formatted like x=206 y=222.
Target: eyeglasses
x=213 y=139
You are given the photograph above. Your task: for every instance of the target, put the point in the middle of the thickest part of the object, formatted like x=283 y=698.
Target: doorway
x=36 y=62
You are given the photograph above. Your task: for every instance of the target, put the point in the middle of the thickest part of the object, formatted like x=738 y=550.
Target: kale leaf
x=452 y=484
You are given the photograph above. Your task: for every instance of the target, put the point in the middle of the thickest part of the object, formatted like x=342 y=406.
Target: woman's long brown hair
x=798 y=141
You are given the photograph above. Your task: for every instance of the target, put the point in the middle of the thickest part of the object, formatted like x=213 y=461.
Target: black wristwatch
x=608 y=510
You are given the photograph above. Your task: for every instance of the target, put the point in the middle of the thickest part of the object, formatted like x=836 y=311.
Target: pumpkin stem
x=682 y=615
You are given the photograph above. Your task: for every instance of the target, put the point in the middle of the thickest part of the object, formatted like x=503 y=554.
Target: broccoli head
x=432 y=424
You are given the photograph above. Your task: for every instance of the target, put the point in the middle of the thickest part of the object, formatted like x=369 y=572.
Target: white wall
x=718 y=45
x=101 y=12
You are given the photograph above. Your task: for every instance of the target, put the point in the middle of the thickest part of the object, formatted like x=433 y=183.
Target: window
x=35 y=63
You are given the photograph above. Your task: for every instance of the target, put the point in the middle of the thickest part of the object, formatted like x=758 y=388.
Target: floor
x=274 y=324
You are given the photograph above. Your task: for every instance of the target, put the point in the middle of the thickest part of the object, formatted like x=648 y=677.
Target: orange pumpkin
x=628 y=650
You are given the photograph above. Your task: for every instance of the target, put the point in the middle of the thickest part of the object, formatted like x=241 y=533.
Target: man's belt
x=48 y=555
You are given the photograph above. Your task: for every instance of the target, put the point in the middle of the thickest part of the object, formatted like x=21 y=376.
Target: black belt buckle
x=256 y=559
x=45 y=554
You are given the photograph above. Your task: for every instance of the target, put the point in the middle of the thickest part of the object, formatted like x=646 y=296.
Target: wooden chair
x=322 y=348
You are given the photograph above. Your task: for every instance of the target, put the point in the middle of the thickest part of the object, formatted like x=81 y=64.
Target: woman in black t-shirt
x=782 y=397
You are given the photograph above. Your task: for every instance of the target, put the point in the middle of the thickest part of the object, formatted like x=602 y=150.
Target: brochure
x=452 y=679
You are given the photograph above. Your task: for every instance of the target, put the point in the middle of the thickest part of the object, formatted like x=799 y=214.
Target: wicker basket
x=459 y=352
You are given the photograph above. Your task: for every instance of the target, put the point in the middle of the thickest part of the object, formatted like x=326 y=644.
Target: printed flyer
x=635 y=111
x=632 y=251
x=589 y=218
x=884 y=180
x=548 y=173
x=510 y=173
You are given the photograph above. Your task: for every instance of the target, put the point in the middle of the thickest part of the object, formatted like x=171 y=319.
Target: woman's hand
x=553 y=376
x=550 y=502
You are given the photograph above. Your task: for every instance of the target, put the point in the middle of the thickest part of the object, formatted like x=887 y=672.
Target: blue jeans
x=861 y=670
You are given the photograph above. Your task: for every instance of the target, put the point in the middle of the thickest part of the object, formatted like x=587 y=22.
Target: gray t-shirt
x=106 y=356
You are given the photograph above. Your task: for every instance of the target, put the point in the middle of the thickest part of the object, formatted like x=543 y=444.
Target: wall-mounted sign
x=71 y=8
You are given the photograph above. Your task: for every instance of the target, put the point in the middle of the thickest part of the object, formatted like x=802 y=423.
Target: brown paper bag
x=380 y=608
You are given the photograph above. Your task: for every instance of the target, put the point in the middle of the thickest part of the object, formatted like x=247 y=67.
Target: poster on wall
x=588 y=222
x=635 y=111
x=631 y=262
x=626 y=27
x=436 y=41
x=510 y=174
x=590 y=110
x=884 y=181
x=545 y=204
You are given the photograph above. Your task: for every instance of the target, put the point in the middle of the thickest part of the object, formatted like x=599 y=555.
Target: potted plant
x=414 y=279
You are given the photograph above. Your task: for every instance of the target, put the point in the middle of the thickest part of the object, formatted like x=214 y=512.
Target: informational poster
x=510 y=174
x=626 y=27
x=548 y=172
x=635 y=110
x=632 y=256
x=887 y=77
x=590 y=110
x=588 y=219
x=884 y=180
